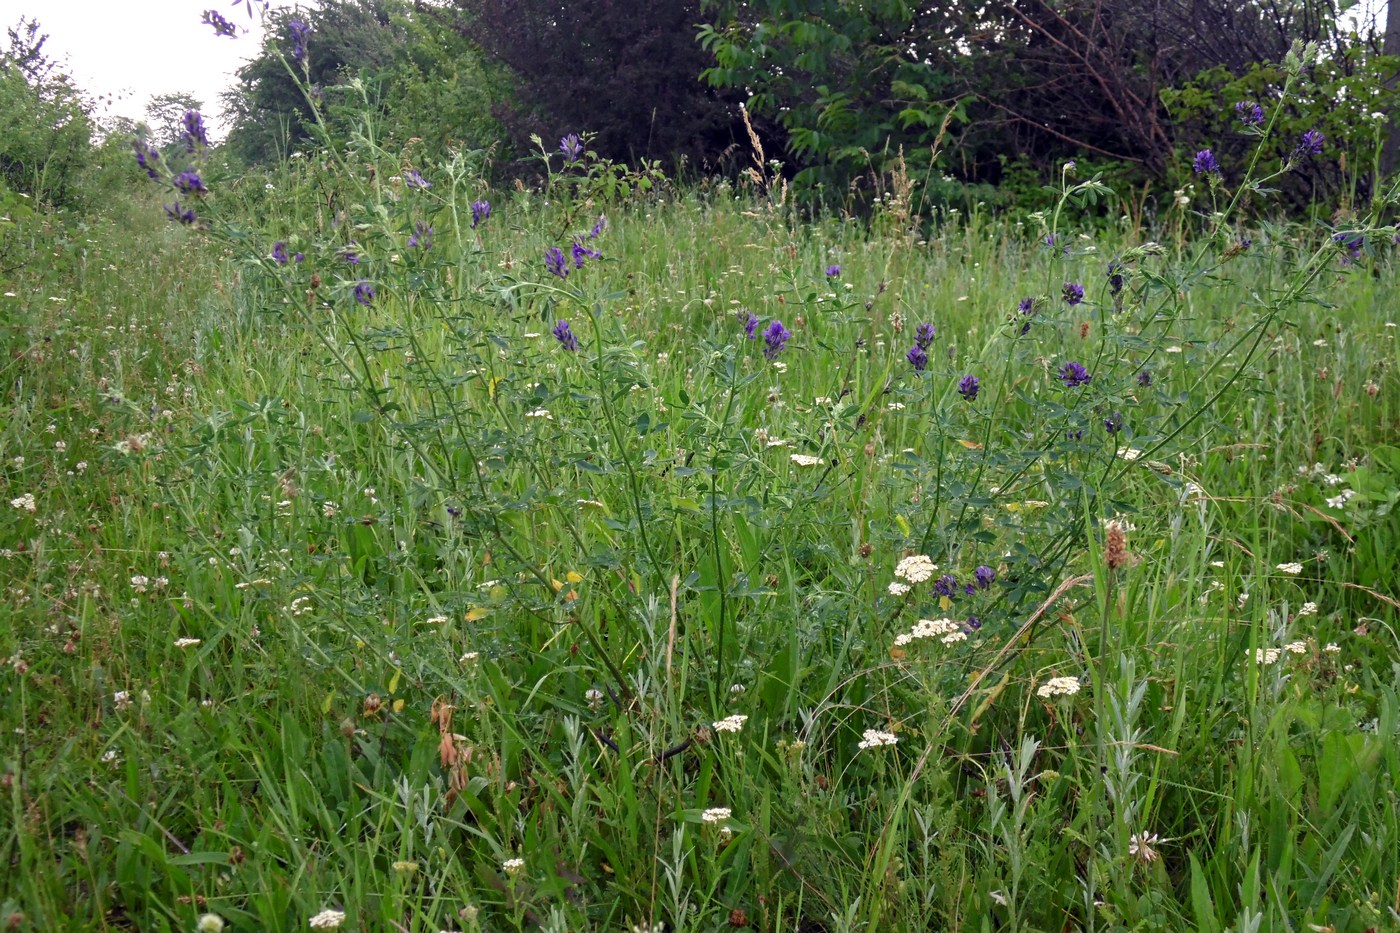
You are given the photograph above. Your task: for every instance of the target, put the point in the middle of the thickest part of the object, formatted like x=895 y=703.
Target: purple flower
x=300 y=31
x=279 y=253
x=193 y=135
x=146 y=157
x=598 y=227
x=775 y=338
x=1074 y=434
x=968 y=388
x=1027 y=310
x=556 y=262
x=414 y=179
x=298 y=257
x=972 y=624
x=1144 y=378
x=1050 y=239
x=178 y=214
x=189 y=182
x=1073 y=293
x=1250 y=113
x=1114 y=422
x=750 y=323
x=364 y=293
x=1115 y=277
x=1310 y=144
x=422 y=235
x=1205 y=163
x=351 y=255
x=1352 y=243
x=985 y=577
x=582 y=254
x=480 y=211
x=222 y=27
x=945 y=585
x=565 y=335
x=833 y=271
x=571 y=147
x=917 y=357
x=924 y=334
x=1073 y=375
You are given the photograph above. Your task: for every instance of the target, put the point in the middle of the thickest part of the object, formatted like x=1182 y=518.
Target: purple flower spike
x=985 y=577
x=179 y=215
x=775 y=338
x=1144 y=378
x=300 y=31
x=279 y=253
x=565 y=335
x=480 y=211
x=1074 y=375
x=1073 y=293
x=555 y=261
x=1310 y=144
x=189 y=182
x=1250 y=113
x=582 y=254
x=414 y=179
x=968 y=387
x=924 y=334
x=422 y=236
x=1114 y=422
x=364 y=293
x=571 y=148
x=1205 y=163
x=750 y=323
x=833 y=271
x=222 y=27
x=598 y=228
x=917 y=357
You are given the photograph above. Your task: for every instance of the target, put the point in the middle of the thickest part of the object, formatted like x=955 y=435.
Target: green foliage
x=45 y=132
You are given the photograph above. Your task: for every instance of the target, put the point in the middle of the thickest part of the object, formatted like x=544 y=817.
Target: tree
x=45 y=130
x=1391 y=47
x=165 y=114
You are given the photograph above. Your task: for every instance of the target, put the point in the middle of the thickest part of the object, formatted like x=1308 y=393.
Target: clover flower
x=571 y=147
x=775 y=338
x=364 y=293
x=222 y=27
x=968 y=387
x=1073 y=293
x=480 y=211
x=193 y=134
x=924 y=334
x=555 y=261
x=917 y=357
x=1140 y=844
x=1205 y=163
x=565 y=335
x=1073 y=375
x=1249 y=113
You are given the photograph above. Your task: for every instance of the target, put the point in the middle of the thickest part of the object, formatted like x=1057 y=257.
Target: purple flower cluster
x=178 y=214
x=946 y=585
x=984 y=576
x=1205 y=163
x=414 y=179
x=279 y=252
x=555 y=261
x=582 y=254
x=1115 y=277
x=1352 y=243
x=1073 y=293
x=598 y=227
x=968 y=387
x=146 y=157
x=1027 y=310
x=1310 y=144
x=565 y=335
x=300 y=31
x=750 y=322
x=833 y=271
x=222 y=27
x=1144 y=378
x=1074 y=375
x=571 y=147
x=775 y=338
x=189 y=182
x=422 y=236
x=1250 y=113
x=917 y=357
x=480 y=211
x=923 y=339
x=1114 y=422
x=364 y=293
x=193 y=134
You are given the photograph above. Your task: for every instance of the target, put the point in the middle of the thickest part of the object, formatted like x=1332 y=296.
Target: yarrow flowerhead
x=775 y=338
x=1250 y=113
x=555 y=261
x=916 y=568
x=924 y=334
x=1073 y=375
x=875 y=738
x=833 y=271
x=222 y=27
x=364 y=293
x=565 y=335
x=917 y=357
x=513 y=866
x=1059 y=686
x=1205 y=163
x=480 y=211
x=327 y=920
x=571 y=147
x=968 y=387
x=716 y=814
x=1073 y=293
x=733 y=723
x=193 y=134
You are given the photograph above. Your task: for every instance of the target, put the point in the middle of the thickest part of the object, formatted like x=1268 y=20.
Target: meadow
x=382 y=551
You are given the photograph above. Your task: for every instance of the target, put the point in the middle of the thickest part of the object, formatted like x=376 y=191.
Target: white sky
x=130 y=51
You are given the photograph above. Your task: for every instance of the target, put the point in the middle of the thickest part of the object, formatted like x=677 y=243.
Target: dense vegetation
x=388 y=547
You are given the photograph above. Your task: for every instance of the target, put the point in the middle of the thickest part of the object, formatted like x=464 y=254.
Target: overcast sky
x=130 y=51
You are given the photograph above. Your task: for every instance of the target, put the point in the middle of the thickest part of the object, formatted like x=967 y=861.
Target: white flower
x=1266 y=656
x=435 y=620
x=327 y=920
x=594 y=696
x=513 y=866
x=540 y=413
x=1140 y=846
x=716 y=814
x=1292 y=568
x=1059 y=686
x=210 y=923
x=25 y=502
x=469 y=658
x=806 y=460
x=999 y=897
x=1340 y=500
x=1309 y=609
x=915 y=568
x=935 y=628
x=898 y=589
x=186 y=642
x=874 y=738
x=121 y=700
x=1296 y=647
x=730 y=723
x=1333 y=648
